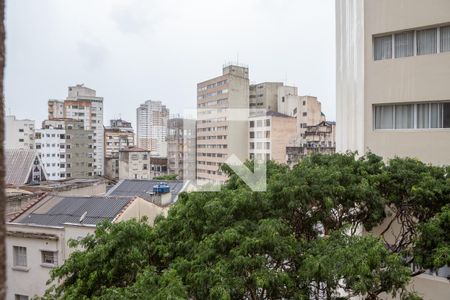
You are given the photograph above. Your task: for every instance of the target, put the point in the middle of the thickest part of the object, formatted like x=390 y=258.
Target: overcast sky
x=134 y=50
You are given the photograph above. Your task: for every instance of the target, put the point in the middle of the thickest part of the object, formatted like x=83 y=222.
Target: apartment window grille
x=445 y=39
x=404 y=44
x=20 y=256
x=427 y=41
x=383 y=47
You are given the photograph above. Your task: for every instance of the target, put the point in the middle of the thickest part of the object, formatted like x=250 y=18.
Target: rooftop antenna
x=237 y=58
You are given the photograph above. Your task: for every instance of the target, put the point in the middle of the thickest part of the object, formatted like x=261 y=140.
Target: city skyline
x=147 y=65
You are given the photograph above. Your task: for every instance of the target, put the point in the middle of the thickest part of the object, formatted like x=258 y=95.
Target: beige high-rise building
x=393 y=74
x=393 y=92
x=218 y=136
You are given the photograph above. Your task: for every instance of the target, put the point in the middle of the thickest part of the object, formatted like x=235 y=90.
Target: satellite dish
x=83 y=216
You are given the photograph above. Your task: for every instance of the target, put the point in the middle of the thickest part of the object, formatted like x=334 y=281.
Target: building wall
x=283 y=131
x=116 y=139
x=218 y=136
x=288 y=100
x=83 y=104
x=406 y=80
x=350 y=75
x=139 y=208
x=66 y=149
x=264 y=95
x=269 y=137
x=19 y=134
x=151 y=127
x=31 y=280
x=181 y=148
x=134 y=165
x=48 y=147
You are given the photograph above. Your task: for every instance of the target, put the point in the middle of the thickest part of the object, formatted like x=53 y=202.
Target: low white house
x=37 y=238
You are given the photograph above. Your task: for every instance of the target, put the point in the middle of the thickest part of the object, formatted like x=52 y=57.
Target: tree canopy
x=301 y=239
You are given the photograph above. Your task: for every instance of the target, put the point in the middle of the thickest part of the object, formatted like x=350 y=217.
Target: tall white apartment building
x=19 y=134
x=66 y=149
x=49 y=141
x=83 y=104
x=151 y=123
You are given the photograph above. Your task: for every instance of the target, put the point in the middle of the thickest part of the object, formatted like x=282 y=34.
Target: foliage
x=298 y=240
x=166 y=177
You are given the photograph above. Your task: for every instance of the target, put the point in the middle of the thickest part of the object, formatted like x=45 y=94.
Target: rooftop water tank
x=161 y=188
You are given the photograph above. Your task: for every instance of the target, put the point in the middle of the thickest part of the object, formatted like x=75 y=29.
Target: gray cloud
x=93 y=55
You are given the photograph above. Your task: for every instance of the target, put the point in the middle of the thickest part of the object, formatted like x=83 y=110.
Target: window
x=404 y=44
x=427 y=41
x=305 y=114
x=384 y=117
x=252 y=124
x=423 y=115
x=267 y=122
x=259 y=123
x=252 y=134
x=20 y=256
x=404 y=116
x=21 y=140
x=383 y=47
x=21 y=130
x=49 y=257
x=412 y=116
x=445 y=39
x=20 y=297
x=144 y=167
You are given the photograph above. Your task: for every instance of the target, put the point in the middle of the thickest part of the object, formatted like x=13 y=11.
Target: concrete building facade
x=218 y=136
x=83 y=104
x=393 y=96
x=151 y=127
x=269 y=134
x=181 y=148
x=320 y=138
x=118 y=136
x=19 y=134
x=392 y=92
x=134 y=163
x=264 y=95
x=37 y=239
x=66 y=149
